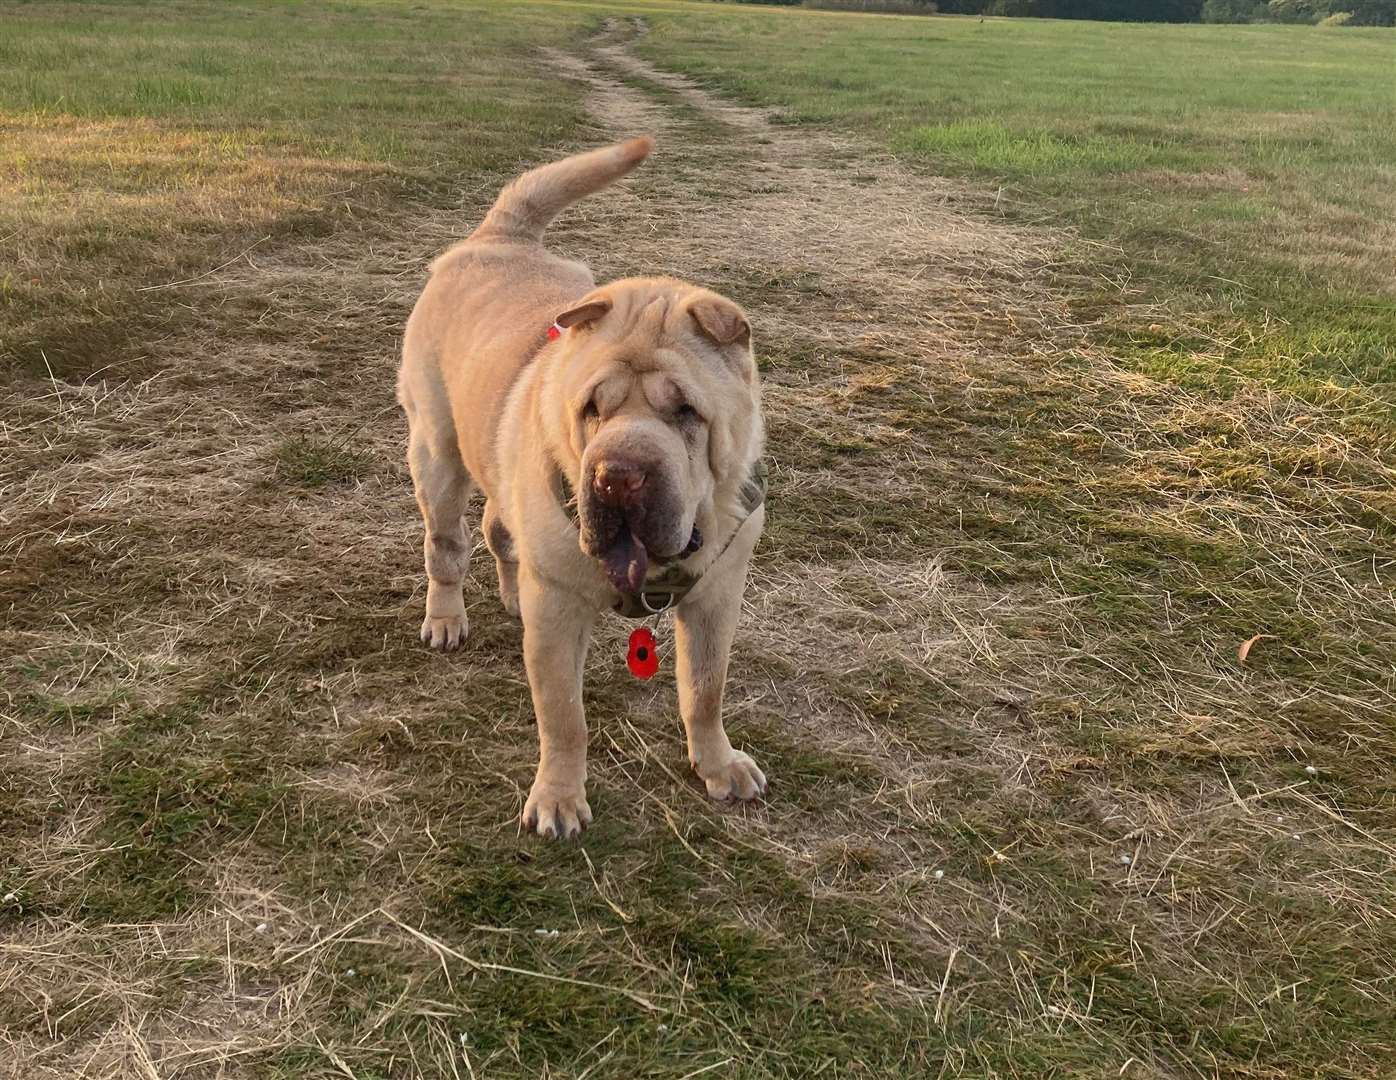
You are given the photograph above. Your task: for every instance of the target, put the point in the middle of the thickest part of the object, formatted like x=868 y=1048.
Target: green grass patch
x=314 y=461
x=1240 y=171
x=228 y=128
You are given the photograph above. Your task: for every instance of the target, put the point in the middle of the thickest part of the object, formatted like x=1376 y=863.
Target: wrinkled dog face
x=658 y=386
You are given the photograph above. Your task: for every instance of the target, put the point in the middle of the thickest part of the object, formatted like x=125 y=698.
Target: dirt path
x=878 y=294
x=854 y=249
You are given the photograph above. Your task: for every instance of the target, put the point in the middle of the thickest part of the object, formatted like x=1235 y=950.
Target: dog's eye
x=590 y=411
x=687 y=414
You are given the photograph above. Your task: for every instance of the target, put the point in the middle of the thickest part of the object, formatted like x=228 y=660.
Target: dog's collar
x=674 y=582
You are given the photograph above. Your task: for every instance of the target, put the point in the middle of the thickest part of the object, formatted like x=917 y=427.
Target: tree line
x=1312 y=12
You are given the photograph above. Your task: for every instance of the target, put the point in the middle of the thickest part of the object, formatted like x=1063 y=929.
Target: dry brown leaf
x=1245 y=649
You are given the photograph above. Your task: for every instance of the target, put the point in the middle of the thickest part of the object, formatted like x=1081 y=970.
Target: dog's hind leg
x=443 y=488
x=506 y=559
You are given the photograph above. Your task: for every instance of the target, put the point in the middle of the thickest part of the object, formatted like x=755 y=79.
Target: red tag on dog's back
x=642 y=658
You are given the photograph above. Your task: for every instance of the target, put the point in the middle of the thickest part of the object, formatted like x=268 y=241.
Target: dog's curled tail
x=525 y=207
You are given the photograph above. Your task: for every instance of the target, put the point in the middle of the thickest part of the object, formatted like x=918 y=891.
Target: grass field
x=1078 y=363
x=1240 y=177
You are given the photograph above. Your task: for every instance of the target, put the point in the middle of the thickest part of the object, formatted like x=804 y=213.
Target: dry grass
x=1030 y=814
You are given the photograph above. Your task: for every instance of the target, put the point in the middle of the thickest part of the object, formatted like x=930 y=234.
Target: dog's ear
x=721 y=320
x=585 y=313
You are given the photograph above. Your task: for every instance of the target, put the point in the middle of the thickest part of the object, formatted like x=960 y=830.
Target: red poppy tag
x=554 y=332
x=642 y=659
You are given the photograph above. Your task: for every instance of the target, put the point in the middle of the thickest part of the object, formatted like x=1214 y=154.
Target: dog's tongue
x=626 y=563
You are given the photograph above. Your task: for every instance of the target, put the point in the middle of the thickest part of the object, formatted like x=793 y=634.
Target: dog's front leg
x=705 y=625
x=557 y=630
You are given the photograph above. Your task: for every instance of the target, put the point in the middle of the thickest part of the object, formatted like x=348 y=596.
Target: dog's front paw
x=445 y=633
x=557 y=811
x=735 y=777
